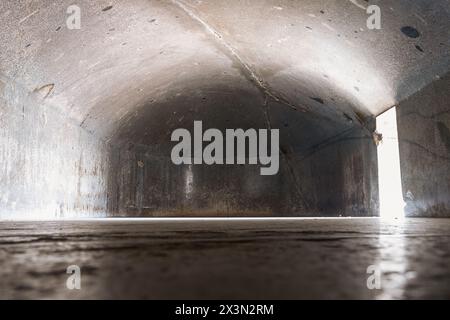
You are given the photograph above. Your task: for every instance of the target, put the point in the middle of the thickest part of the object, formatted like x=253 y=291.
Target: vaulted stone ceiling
x=139 y=67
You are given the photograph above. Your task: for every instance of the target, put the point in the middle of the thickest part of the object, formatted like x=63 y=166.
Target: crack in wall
x=428 y=151
x=294 y=178
x=340 y=137
x=429 y=117
x=287 y=160
x=267 y=113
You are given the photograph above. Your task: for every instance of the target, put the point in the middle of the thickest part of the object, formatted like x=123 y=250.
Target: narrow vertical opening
x=389 y=174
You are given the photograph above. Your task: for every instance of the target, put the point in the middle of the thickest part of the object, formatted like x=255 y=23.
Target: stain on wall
x=49 y=167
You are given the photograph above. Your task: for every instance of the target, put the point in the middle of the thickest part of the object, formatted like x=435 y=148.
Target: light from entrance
x=392 y=205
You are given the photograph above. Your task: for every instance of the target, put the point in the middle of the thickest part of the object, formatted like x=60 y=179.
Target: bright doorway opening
x=392 y=205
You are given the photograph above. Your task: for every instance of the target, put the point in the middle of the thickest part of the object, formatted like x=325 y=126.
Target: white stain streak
x=28 y=16
x=59 y=57
x=189 y=182
x=328 y=27
x=282 y=40
x=350 y=43
x=355 y=2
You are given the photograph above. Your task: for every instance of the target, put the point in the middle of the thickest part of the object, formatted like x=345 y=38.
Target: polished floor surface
x=227 y=259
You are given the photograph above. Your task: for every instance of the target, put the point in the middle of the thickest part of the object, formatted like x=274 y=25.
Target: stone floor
x=226 y=259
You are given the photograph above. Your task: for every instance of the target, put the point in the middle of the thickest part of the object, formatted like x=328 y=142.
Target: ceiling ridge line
x=250 y=74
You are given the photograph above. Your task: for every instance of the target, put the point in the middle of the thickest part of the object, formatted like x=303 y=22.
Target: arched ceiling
x=138 y=66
